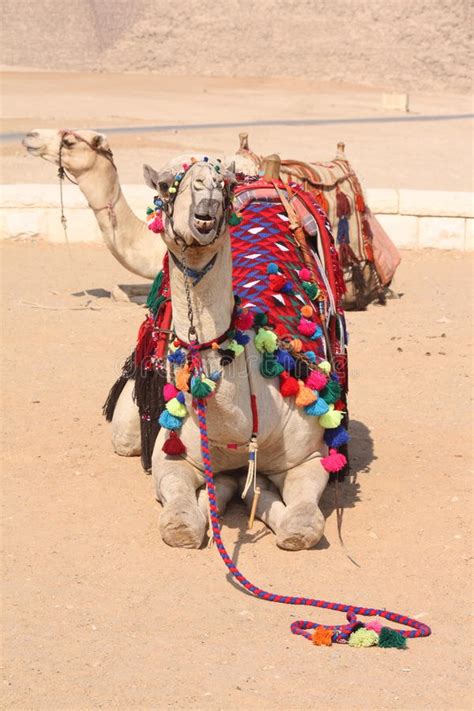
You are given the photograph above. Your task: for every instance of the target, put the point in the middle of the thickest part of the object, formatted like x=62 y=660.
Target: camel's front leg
x=182 y=523
x=302 y=524
x=126 y=437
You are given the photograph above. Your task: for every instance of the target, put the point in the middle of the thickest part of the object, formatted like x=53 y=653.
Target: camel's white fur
x=290 y=443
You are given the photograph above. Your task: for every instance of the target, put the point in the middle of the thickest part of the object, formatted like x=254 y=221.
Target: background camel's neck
x=130 y=241
x=212 y=299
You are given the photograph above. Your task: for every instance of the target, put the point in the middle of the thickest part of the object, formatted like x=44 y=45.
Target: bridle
x=62 y=173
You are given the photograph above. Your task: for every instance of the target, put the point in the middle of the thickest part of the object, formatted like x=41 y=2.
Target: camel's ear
x=158 y=181
x=99 y=141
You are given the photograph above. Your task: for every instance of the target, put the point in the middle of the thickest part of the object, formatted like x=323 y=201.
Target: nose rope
x=321 y=634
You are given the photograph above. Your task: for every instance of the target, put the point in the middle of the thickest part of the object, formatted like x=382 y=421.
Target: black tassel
x=148 y=395
x=128 y=373
x=301 y=369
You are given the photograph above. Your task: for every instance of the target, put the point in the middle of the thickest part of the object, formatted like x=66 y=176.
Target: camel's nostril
x=32 y=134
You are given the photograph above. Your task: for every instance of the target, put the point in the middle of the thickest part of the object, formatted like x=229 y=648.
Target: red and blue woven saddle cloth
x=276 y=274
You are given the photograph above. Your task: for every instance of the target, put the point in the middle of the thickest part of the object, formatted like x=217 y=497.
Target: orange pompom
x=182 y=378
x=322 y=637
x=307 y=311
x=305 y=396
x=214 y=346
x=296 y=345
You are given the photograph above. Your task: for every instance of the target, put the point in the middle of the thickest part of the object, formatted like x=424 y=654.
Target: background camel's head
x=197 y=200
x=79 y=149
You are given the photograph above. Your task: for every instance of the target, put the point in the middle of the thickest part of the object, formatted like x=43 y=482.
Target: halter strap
x=194 y=274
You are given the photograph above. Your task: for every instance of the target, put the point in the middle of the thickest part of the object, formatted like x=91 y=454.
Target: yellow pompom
x=305 y=396
x=325 y=367
x=175 y=408
x=307 y=311
x=182 y=378
x=265 y=341
x=296 y=345
x=331 y=419
x=236 y=347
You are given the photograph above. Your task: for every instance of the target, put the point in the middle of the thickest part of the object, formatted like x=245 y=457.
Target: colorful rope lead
x=340 y=633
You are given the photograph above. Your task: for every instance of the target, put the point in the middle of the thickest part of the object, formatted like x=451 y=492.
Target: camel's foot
x=182 y=524
x=301 y=526
x=125 y=447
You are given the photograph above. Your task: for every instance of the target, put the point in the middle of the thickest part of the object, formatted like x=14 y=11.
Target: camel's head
x=196 y=199
x=77 y=151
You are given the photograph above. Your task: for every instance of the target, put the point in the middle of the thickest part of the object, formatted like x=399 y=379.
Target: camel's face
x=196 y=213
x=79 y=149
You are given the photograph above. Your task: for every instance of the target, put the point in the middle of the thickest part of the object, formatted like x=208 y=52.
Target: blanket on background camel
x=368 y=257
x=288 y=287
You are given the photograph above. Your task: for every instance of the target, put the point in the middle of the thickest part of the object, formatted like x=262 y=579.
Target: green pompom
x=266 y=341
x=311 y=289
x=270 y=367
x=154 y=299
x=149 y=210
x=234 y=219
x=331 y=392
x=260 y=319
x=391 y=638
x=363 y=638
x=199 y=388
x=176 y=408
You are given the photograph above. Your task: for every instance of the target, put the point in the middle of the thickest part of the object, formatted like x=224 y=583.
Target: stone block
x=81 y=226
x=402 y=229
x=23 y=224
x=382 y=200
x=397 y=102
x=441 y=232
x=25 y=195
x=436 y=203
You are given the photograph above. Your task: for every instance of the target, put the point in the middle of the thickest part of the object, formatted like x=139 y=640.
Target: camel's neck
x=212 y=299
x=127 y=237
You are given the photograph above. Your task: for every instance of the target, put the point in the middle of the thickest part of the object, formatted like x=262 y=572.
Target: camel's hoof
x=302 y=526
x=182 y=525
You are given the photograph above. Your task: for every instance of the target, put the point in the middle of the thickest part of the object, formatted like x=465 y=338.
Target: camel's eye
x=67 y=143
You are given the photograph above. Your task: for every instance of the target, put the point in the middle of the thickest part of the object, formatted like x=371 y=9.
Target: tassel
x=307 y=311
x=334 y=462
x=173 y=445
x=325 y=367
x=343 y=231
x=310 y=289
x=182 y=378
x=363 y=638
x=336 y=437
x=227 y=356
x=305 y=274
x=318 y=408
x=234 y=219
x=374 y=625
x=288 y=385
x=244 y=320
x=252 y=466
x=296 y=345
x=260 y=319
x=236 y=347
x=331 y=419
x=170 y=391
x=306 y=328
x=316 y=380
x=277 y=282
x=266 y=341
x=199 y=389
x=272 y=268
x=301 y=370
x=154 y=293
x=305 y=396
x=148 y=394
x=360 y=204
x=285 y=359
x=322 y=637
x=176 y=408
x=343 y=205
x=331 y=392
x=170 y=422
x=321 y=200
x=128 y=373
x=241 y=338
x=156 y=225
x=391 y=638
x=270 y=367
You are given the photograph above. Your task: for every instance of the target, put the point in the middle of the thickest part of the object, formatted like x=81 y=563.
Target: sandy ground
x=99 y=613
x=421 y=155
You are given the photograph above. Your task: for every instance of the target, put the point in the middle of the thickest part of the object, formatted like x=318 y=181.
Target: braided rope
x=341 y=633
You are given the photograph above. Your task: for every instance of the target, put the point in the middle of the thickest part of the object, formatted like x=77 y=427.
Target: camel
x=290 y=444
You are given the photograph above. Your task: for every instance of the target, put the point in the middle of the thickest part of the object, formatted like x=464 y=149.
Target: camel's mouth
x=204 y=224
x=33 y=144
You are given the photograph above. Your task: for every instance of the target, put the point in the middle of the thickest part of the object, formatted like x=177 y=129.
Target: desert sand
x=99 y=613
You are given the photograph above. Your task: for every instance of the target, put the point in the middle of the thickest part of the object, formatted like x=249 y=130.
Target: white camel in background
x=290 y=443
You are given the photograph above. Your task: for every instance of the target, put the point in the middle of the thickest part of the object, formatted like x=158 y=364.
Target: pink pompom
x=306 y=328
x=169 y=392
x=244 y=321
x=304 y=274
x=156 y=225
x=334 y=462
x=316 y=380
x=375 y=626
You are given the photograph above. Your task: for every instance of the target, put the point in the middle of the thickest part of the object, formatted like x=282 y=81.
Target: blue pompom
x=336 y=437
x=170 y=422
x=241 y=338
x=178 y=357
x=272 y=268
x=317 y=334
x=311 y=356
x=180 y=397
x=205 y=159
x=215 y=375
x=287 y=287
x=285 y=359
x=318 y=408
